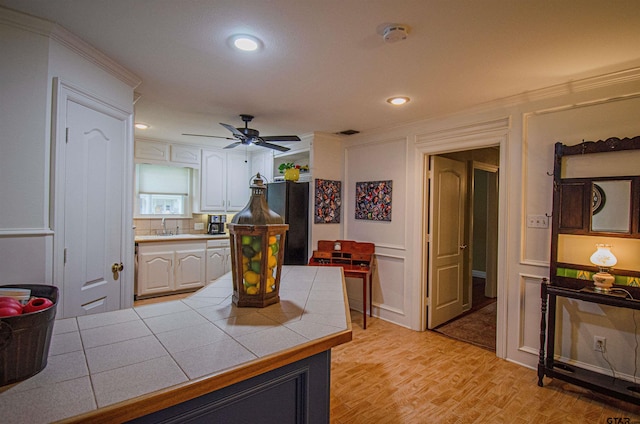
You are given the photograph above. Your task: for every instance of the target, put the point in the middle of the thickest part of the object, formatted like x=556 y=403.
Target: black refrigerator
x=290 y=200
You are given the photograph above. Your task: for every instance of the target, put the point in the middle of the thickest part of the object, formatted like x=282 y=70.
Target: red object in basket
x=37 y=304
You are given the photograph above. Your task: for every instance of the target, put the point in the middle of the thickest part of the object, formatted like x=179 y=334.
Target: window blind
x=159 y=179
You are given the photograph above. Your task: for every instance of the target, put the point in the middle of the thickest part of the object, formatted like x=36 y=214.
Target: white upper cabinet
x=238 y=182
x=163 y=153
x=155 y=151
x=213 y=181
x=224 y=185
x=262 y=162
x=187 y=155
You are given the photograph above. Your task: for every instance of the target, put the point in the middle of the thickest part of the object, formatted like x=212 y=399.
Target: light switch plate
x=537 y=221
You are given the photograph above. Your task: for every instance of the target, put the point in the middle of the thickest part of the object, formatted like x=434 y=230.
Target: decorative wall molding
x=25 y=232
x=464 y=131
x=527 y=279
x=66 y=38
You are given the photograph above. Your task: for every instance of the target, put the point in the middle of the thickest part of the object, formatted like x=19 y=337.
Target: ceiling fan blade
x=263 y=143
x=277 y=138
x=212 y=136
x=234 y=130
x=232 y=145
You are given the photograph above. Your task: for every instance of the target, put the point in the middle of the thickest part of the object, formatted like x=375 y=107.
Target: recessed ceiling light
x=246 y=43
x=398 y=100
x=141 y=126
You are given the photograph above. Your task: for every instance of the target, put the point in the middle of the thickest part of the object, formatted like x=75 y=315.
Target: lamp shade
x=603 y=257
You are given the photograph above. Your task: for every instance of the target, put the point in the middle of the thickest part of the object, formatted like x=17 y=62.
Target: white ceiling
x=325 y=66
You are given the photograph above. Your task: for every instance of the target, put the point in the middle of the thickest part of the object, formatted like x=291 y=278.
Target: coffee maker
x=216 y=224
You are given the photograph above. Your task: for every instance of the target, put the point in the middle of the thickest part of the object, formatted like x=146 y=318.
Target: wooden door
x=447 y=250
x=94 y=189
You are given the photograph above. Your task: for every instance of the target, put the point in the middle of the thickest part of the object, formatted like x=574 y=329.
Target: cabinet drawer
x=218 y=243
x=361 y=257
x=321 y=255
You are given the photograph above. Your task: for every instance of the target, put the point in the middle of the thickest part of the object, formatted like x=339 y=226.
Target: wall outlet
x=599 y=343
x=198 y=226
x=537 y=221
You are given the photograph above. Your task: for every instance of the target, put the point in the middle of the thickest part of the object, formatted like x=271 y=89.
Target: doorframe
x=449 y=145
x=64 y=91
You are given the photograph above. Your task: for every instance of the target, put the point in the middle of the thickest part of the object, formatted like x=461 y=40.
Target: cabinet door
x=155 y=273
x=213 y=180
x=262 y=163
x=189 y=269
x=238 y=182
x=216 y=263
x=185 y=154
x=156 y=151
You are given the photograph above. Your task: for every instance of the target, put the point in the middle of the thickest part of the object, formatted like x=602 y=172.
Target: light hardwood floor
x=389 y=374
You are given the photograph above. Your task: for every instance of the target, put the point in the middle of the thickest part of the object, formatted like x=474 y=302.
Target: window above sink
x=162 y=191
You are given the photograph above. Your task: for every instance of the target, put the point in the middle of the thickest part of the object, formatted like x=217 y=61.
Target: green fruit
x=256 y=245
x=248 y=251
x=274 y=248
x=255 y=266
x=246 y=240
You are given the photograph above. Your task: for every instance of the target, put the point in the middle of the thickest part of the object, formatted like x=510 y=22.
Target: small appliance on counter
x=216 y=224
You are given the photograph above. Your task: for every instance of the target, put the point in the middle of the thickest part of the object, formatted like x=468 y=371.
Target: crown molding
x=57 y=33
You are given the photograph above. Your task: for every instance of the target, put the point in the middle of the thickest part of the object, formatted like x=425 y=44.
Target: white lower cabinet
x=167 y=267
x=218 y=259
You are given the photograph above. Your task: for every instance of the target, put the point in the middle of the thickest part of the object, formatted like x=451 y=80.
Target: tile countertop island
x=118 y=366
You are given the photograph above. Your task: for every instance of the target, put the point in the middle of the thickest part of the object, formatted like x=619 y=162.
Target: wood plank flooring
x=390 y=374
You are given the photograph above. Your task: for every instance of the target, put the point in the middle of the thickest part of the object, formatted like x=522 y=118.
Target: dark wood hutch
x=575 y=203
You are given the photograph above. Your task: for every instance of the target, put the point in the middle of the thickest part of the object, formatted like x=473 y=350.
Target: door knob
x=116 y=268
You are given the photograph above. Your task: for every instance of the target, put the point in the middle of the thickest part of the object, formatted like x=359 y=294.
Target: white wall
x=526 y=128
x=326 y=161
x=34 y=52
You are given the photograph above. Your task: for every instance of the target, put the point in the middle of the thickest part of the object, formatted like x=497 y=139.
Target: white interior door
x=94 y=178
x=447 y=251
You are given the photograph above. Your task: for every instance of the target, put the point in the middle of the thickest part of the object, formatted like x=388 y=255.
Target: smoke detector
x=395 y=32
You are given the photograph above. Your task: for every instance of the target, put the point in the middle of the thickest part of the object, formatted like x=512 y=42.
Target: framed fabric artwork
x=373 y=200
x=328 y=199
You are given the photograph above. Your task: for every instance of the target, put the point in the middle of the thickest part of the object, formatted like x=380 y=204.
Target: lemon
x=271 y=262
x=257 y=256
x=273 y=240
x=252 y=278
x=252 y=290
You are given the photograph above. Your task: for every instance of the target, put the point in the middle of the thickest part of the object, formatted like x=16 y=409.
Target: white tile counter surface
x=100 y=360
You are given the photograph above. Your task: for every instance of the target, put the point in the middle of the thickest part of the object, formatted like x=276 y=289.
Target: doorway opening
x=463 y=209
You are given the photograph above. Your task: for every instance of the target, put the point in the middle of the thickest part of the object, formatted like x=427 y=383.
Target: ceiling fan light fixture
x=398 y=100
x=141 y=126
x=246 y=43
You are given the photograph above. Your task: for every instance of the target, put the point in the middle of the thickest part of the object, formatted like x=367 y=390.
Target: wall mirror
x=611 y=206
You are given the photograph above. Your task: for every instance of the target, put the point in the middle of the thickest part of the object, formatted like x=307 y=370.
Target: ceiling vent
x=395 y=32
x=348 y=132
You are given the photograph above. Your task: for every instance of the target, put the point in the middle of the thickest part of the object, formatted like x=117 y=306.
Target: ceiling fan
x=249 y=136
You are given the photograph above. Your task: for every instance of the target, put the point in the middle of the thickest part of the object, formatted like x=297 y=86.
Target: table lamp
x=604 y=260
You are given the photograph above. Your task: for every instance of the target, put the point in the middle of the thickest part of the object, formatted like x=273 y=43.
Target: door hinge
x=66 y=135
x=65 y=256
